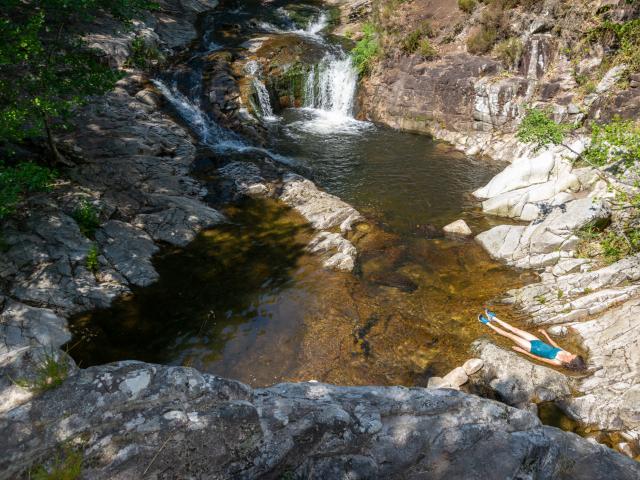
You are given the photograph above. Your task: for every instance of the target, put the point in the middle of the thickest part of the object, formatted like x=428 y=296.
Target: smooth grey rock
x=322 y=210
x=455 y=378
x=516 y=379
x=473 y=365
x=129 y=250
x=21 y=368
x=137 y=418
x=544 y=243
x=338 y=252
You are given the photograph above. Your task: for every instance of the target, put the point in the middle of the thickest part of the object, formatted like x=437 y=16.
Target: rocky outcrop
x=169 y=28
x=132 y=420
x=326 y=213
x=546 y=242
x=135 y=177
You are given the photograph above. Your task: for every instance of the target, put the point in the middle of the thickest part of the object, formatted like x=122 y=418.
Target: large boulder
x=544 y=243
x=137 y=420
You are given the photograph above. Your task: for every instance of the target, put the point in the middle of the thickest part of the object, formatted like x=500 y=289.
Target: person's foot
x=490 y=315
x=483 y=319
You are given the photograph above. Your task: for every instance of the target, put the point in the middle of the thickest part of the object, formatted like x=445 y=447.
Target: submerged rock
x=458 y=228
x=393 y=280
x=169 y=422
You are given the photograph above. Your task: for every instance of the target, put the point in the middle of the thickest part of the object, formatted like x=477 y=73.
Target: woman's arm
x=545 y=360
x=549 y=339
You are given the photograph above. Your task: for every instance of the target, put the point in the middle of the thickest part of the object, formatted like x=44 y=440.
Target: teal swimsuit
x=543 y=350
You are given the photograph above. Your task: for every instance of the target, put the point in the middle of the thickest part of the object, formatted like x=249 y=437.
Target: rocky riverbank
x=136 y=420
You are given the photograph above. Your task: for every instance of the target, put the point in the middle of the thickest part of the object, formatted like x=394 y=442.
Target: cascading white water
x=253 y=69
x=207 y=130
x=331 y=86
x=312 y=30
x=316 y=26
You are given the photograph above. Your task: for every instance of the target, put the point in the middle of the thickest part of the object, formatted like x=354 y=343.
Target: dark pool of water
x=405 y=179
x=246 y=301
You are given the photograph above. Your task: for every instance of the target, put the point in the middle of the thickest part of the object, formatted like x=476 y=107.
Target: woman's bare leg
x=517 y=331
x=521 y=342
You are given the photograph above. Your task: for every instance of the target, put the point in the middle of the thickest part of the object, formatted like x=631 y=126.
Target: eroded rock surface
x=133 y=419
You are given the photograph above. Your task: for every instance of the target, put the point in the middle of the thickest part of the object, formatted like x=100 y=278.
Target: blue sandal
x=490 y=314
x=483 y=319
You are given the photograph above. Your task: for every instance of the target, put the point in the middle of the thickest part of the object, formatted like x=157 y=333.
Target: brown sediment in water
x=246 y=301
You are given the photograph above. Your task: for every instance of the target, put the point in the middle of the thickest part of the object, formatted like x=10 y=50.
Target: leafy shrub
x=540 y=129
x=47 y=67
x=616 y=142
x=467 y=6
x=427 y=50
x=482 y=41
x=86 y=216
x=92 y=259
x=509 y=52
x=143 y=55
x=624 y=38
x=17 y=181
x=366 y=50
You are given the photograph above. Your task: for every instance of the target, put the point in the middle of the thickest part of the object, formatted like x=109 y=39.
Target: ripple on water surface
x=244 y=300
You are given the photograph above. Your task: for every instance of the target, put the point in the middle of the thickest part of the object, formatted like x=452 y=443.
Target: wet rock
x=458 y=228
x=338 y=252
x=455 y=378
x=323 y=210
x=353 y=431
x=393 y=280
x=434 y=382
x=430 y=231
x=247 y=178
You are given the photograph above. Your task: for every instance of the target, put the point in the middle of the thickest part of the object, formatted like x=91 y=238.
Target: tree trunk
x=56 y=156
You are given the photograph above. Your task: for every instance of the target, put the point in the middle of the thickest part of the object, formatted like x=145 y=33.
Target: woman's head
x=576 y=363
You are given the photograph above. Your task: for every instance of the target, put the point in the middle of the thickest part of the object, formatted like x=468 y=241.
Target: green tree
x=45 y=68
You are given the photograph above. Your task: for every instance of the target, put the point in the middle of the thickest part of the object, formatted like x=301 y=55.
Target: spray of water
x=312 y=30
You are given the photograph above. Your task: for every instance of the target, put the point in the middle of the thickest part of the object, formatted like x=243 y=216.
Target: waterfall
x=253 y=69
x=316 y=26
x=331 y=86
x=313 y=28
x=207 y=130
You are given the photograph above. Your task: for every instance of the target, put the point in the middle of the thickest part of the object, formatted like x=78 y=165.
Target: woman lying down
x=532 y=345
